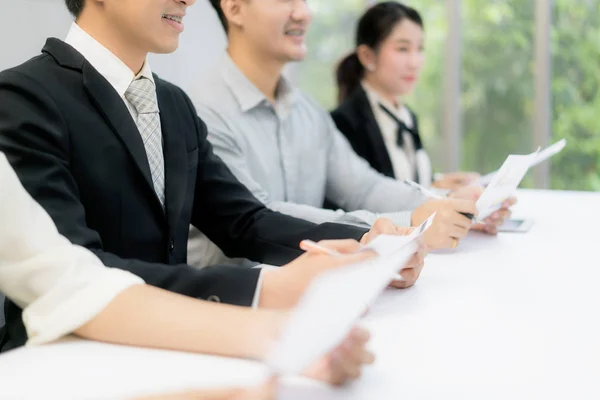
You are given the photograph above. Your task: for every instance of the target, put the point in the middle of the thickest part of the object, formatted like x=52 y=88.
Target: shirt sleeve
x=354 y=185
x=59 y=286
x=226 y=146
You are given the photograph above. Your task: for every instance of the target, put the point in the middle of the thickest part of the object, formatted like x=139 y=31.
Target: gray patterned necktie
x=142 y=96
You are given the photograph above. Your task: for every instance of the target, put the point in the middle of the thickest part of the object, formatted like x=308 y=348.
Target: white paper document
x=541 y=157
x=504 y=183
x=385 y=245
x=335 y=301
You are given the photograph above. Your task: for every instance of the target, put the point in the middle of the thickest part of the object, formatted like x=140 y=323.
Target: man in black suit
x=120 y=161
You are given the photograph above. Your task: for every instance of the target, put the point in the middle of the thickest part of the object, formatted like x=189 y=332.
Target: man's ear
x=234 y=12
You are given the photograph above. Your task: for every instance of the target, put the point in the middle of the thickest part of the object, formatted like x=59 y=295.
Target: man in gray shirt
x=285 y=148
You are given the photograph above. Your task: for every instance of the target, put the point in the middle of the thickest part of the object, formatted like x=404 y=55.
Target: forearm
x=313 y=214
x=362 y=218
x=150 y=317
x=392 y=196
x=232 y=284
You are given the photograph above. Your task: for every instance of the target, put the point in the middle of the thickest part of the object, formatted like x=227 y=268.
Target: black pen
x=433 y=195
x=468 y=215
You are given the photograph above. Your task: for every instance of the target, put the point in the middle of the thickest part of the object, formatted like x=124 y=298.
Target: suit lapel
x=364 y=110
x=173 y=131
x=119 y=118
x=108 y=102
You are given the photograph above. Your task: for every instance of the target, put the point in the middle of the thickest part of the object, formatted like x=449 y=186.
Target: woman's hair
x=374 y=27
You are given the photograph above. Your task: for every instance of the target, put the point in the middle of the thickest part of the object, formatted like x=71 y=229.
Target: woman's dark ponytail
x=374 y=27
x=349 y=74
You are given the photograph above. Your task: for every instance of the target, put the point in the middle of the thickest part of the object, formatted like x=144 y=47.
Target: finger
x=471 y=176
x=450 y=219
x=491 y=229
x=352 y=258
x=448 y=242
x=423 y=247
x=486 y=228
x=384 y=226
x=464 y=206
x=511 y=201
x=498 y=218
x=415 y=260
x=437 y=240
x=457 y=232
x=359 y=335
x=356 y=353
x=349 y=369
x=400 y=284
x=404 y=231
x=503 y=215
x=409 y=275
x=227 y=394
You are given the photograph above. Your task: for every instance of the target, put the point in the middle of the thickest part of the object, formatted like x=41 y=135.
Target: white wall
x=27 y=23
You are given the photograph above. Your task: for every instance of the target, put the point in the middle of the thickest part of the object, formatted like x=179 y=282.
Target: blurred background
x=494 y=43
x=501 y=76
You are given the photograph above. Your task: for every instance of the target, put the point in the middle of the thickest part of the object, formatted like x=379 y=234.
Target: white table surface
x=510 y=317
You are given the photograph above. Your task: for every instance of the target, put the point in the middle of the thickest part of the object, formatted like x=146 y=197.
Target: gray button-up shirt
x=291 y=156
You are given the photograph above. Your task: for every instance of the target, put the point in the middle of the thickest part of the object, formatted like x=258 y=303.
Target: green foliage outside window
x=497 y=79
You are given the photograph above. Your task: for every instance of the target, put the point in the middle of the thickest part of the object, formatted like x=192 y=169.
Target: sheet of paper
x=334 y=302
x=384 y=245
x=541 y=157
x=549 y=152
x=504 y=183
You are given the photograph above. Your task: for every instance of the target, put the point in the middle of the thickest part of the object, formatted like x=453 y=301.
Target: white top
x=406 y=161
x=507 y=317
x=60 y=286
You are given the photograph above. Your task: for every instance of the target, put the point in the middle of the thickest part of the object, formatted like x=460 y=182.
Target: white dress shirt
x=291 y=156
x=406 y=161
x=60 y=286
x=106 y=63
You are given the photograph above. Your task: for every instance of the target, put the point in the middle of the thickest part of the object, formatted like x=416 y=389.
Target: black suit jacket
x=355 y=119
x=76 y=149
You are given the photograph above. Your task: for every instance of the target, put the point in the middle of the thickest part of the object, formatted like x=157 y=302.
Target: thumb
x=384 y=226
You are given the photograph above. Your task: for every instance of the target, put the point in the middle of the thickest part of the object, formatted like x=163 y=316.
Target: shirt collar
x=104 y=61
x=249 y=96
x=375 y=99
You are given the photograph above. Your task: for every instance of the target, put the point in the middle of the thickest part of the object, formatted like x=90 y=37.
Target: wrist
x=269 y=328
x=275 y=292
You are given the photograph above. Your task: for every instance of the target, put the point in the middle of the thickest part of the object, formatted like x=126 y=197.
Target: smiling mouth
x=295 y=33
x=175 y=18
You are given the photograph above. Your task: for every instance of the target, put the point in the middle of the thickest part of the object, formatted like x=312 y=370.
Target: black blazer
x=76 y=149
x=355 y=119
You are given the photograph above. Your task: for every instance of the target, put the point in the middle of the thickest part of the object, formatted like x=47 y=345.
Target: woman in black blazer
x=372 y=81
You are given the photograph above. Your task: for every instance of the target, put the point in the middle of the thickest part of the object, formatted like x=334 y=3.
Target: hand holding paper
x=336 y=299
x=504 y=183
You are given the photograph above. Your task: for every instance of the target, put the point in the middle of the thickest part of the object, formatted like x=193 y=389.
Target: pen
x=308 y=245
x=468 y=215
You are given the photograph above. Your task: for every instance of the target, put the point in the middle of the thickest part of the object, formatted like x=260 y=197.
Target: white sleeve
x=59 y=286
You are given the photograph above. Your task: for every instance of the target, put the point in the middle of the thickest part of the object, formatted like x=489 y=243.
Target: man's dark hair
x=75 y=6
x=217 y=6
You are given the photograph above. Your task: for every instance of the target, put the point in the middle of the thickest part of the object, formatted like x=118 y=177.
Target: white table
x=510 y=317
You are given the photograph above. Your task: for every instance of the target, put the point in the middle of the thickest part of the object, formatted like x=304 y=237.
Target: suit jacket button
x=214 y=298
x=171 y=245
